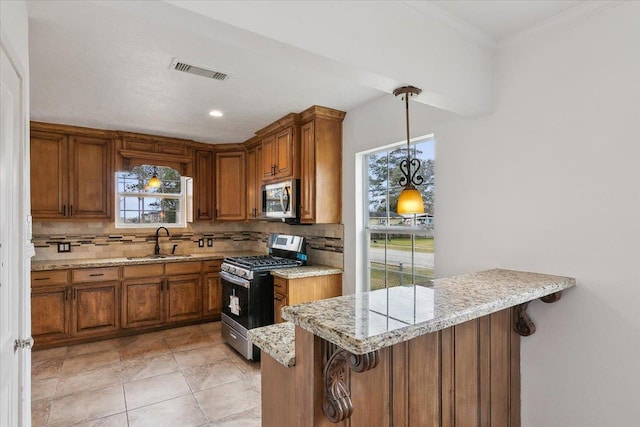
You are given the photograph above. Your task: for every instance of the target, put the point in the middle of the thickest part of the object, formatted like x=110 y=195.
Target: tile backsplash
x=102 y=240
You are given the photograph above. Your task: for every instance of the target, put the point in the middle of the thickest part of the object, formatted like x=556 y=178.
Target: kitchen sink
x=158 y=256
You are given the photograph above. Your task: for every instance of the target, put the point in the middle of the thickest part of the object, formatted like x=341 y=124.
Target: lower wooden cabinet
x=183 y=298
x=304 y=289
x=76 y=305
x=61 y=309
x=212 y=297
x=95 y=308
x=142 y=302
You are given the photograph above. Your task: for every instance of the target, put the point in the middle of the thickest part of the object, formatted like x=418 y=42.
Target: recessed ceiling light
x=216 y=113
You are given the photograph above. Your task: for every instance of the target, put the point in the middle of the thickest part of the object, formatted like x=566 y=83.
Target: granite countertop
x=306 y=271
x=278 y=341
x=373 y=320
x=62 y=264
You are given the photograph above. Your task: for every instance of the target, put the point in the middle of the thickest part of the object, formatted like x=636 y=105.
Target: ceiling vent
x=179 y=65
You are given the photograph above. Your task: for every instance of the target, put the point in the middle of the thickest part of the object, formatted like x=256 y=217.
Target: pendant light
x=410 y=199
x=154 y=181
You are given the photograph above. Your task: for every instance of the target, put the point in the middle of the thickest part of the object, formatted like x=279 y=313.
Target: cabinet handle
x=42 y=278
x=71 y=210
x=217 y=213
x=198 y=212
x=167 y=284
x=96 y=275
x=64 y=210
x=66 y=294
x=75 y=294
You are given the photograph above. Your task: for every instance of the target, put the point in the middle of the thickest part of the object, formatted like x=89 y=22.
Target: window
x=400 y=248
x=140 y=206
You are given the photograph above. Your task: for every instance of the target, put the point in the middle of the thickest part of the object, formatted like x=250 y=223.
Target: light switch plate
x=209 y=242
x=64 y=247
x=201 y=243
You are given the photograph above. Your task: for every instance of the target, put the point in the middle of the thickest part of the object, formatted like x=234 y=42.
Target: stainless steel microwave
x=280 y=199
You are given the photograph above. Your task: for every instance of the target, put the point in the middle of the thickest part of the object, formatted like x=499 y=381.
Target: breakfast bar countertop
x=278 y=341
x=369 y=321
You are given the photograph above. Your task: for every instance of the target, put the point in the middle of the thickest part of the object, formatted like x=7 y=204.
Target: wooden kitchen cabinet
x=50 y=308
x=86 y=305
x=172 y=294
x=71 y=172
x=212 y=289
x=254 y=182
x=304 y=289
x=278 y=152
x=320 y=179
x=230 y=185
x=203 y=188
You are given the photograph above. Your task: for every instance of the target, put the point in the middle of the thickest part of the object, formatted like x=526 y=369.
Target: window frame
x=413 y=230
x=185 y=197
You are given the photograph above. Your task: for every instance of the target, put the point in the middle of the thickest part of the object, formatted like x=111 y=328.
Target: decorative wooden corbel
x=337 y=405
x=522 y=323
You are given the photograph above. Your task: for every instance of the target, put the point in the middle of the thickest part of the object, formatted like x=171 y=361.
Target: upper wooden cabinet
x=320 y=166
x=231 y=185
x=72 y=174
x=254 y=181
x=203 y=186
x=280 y=149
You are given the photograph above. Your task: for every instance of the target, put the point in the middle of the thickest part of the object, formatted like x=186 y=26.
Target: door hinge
x=23 y=343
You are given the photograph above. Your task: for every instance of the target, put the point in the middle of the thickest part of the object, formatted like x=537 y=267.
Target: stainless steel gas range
x=247 y=290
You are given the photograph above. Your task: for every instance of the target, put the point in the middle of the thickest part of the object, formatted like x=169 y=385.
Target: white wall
x=551 y=183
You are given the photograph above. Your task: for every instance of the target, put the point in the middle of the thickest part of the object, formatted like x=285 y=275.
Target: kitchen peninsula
x=446 y=354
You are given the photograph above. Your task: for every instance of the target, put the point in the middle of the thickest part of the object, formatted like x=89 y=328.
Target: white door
x=11 y=247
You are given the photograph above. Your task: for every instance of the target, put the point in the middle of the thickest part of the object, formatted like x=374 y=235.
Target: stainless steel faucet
x=156 y=251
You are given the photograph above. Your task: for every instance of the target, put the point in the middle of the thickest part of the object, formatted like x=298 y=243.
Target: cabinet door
x=91 y=177
x=183 y=298
x=268 y=157
x=254 y=182
x=307 y=173
x=203 y=195
x=212 y=295
x=230 y=186
x=142 y=302
x=49 y=175
x=279 y=301
x=284 y=153
x=49 y=313
x=95 y=308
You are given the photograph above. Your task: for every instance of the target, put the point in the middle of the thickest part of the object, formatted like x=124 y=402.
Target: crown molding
x=584 y=9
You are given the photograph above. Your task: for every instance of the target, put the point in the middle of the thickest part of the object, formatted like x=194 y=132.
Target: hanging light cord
x=409 y=180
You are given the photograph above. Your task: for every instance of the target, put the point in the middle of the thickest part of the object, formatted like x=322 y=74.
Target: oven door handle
x=234 y=279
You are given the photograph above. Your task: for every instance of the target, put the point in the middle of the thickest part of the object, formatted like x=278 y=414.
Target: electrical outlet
x=209 y=242
x=201 y=243
x=64 y=247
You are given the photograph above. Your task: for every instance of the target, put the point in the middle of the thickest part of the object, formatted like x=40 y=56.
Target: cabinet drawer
x=51 y=277
x=183 y=267
x=211 y=266
x=147 y=270
x=280 y=285
x=95 y=274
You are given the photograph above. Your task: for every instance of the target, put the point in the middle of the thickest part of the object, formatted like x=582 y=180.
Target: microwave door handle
x=286 y=206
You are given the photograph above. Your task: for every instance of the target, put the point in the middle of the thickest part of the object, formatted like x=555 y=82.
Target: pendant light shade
x=154 y=181
x=410 y=202
x=410 y=199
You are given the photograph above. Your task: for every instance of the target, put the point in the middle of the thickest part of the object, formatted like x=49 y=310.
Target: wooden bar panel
x=399 y=407
x=466 y=374
x=424 y=380
x=370 y=394
x=500 y=356
x=278 y=392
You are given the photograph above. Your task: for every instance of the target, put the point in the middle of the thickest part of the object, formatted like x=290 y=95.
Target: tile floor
x=178 y=377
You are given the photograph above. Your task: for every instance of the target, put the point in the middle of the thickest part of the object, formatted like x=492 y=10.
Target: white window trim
x=185 y=215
